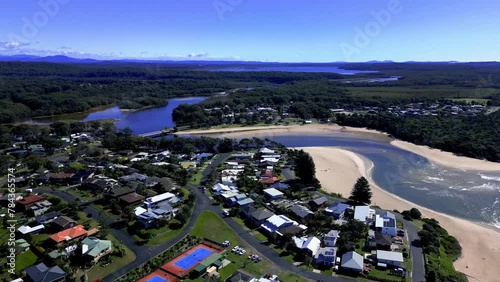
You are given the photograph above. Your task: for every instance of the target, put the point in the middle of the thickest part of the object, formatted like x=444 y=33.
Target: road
x=417 y=257
x=143 y=253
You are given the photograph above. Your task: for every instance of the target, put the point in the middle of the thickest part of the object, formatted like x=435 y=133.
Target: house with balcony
x=94 y=249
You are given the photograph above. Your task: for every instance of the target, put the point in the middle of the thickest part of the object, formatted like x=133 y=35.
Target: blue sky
x=264 y=30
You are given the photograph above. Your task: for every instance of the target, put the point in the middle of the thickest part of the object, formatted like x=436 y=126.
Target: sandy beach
x=434 y=155
x=338 y=169
x=446 y=158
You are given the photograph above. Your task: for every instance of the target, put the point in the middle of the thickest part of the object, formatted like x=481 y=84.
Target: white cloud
x=12 y=45
x=197 y=55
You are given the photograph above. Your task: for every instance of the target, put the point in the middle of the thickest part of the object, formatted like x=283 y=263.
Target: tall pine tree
x=361 y=192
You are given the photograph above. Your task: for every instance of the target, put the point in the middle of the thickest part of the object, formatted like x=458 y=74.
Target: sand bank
x=446 y=158
x=338 y=169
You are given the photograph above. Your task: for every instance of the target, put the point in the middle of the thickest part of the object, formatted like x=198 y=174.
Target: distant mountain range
x=70 y=60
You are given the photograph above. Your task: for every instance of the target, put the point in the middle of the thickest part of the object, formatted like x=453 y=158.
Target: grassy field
x=82 y=194
x=211 y=226
x=468 y=100
x=118 y=262
x=25 y=259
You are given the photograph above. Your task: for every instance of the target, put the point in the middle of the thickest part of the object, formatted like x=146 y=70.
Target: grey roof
x=47 y=216
x=383 y=239
x=63 y=220
x=320 y=201
x=42 y=273
x=262 y=214
x=301 y=211
x=333 y=233
x=240 y=276
x=352 y=260
x=390 y=256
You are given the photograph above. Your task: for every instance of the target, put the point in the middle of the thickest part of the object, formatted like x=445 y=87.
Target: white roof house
x=363 y=213
x=312 y=244
x=165 y=197
x=266 y=151
x=28 y=229
x=387 y=256
x=276 y=222
x=273 y=193
x=352 y=261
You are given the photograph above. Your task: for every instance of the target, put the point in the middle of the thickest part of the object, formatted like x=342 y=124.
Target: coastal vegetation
x=440 y=250
x=361 y=193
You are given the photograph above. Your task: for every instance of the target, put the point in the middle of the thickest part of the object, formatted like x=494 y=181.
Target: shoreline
x=481 y=244
x=437 y=156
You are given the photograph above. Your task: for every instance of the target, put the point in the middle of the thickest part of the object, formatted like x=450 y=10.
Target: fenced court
x=159 y=276
x=189 y=260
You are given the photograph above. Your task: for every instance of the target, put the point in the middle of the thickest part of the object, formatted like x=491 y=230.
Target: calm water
x=295 y=69
x=142 y=121
x=472 y=195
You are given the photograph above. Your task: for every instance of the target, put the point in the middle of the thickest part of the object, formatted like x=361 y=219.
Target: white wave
x=486 y=177
x=486 y=186
x=435 y=179
x=420 y=188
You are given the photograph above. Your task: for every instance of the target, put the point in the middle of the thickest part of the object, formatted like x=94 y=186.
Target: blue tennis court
x=157 y=279
x=193 y=258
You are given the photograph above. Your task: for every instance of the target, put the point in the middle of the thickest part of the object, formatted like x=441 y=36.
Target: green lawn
x=25 y=259
x=163 y=237
x=118 y=262
x=261 y=237
x=82 y=194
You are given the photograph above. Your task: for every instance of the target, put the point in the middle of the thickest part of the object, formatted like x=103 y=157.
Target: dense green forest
x=41 y=89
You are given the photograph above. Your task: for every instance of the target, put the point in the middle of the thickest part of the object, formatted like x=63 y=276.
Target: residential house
x=389 y=258
x=25 y=229
x=385 y=223
x=152 y=181
x=152 y=217
x=130 y=199
x=308 y=245
x=273 y=194
x=245 y=202
x=160 y=200
x=352 y=261
x=6 y=198
x=247 y=211
x=94 y=249
x=277 y=224
x=240 y=276
x=115 y=193
x=266 y=151
x=63 y=222
x=220 y=188
x=302 y=213
x=330 y=238
x=317 y=203
x=60 y=178
x=234 y=199
x=96 y=184
x=58 y=254
x=40 y=208
x=337 y=210
x=43 y=273
x=280 y=186
x=25 y=203
x=22 y=245
x=134 y=176
x=259 y=216
x=269 y=180
x=81 y=176
x=363 y=213
x=379 y=241
x=326 y=256
x=69 y=234
x=47 y=217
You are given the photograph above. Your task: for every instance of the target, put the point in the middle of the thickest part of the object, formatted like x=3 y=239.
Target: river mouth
x=472 y=195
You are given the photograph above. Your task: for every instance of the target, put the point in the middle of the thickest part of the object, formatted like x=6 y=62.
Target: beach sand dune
x=338 y=170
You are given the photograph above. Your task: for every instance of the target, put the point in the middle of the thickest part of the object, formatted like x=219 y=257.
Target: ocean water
x=473 y=195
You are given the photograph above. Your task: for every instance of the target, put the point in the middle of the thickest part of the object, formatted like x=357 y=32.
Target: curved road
x=145 y=253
